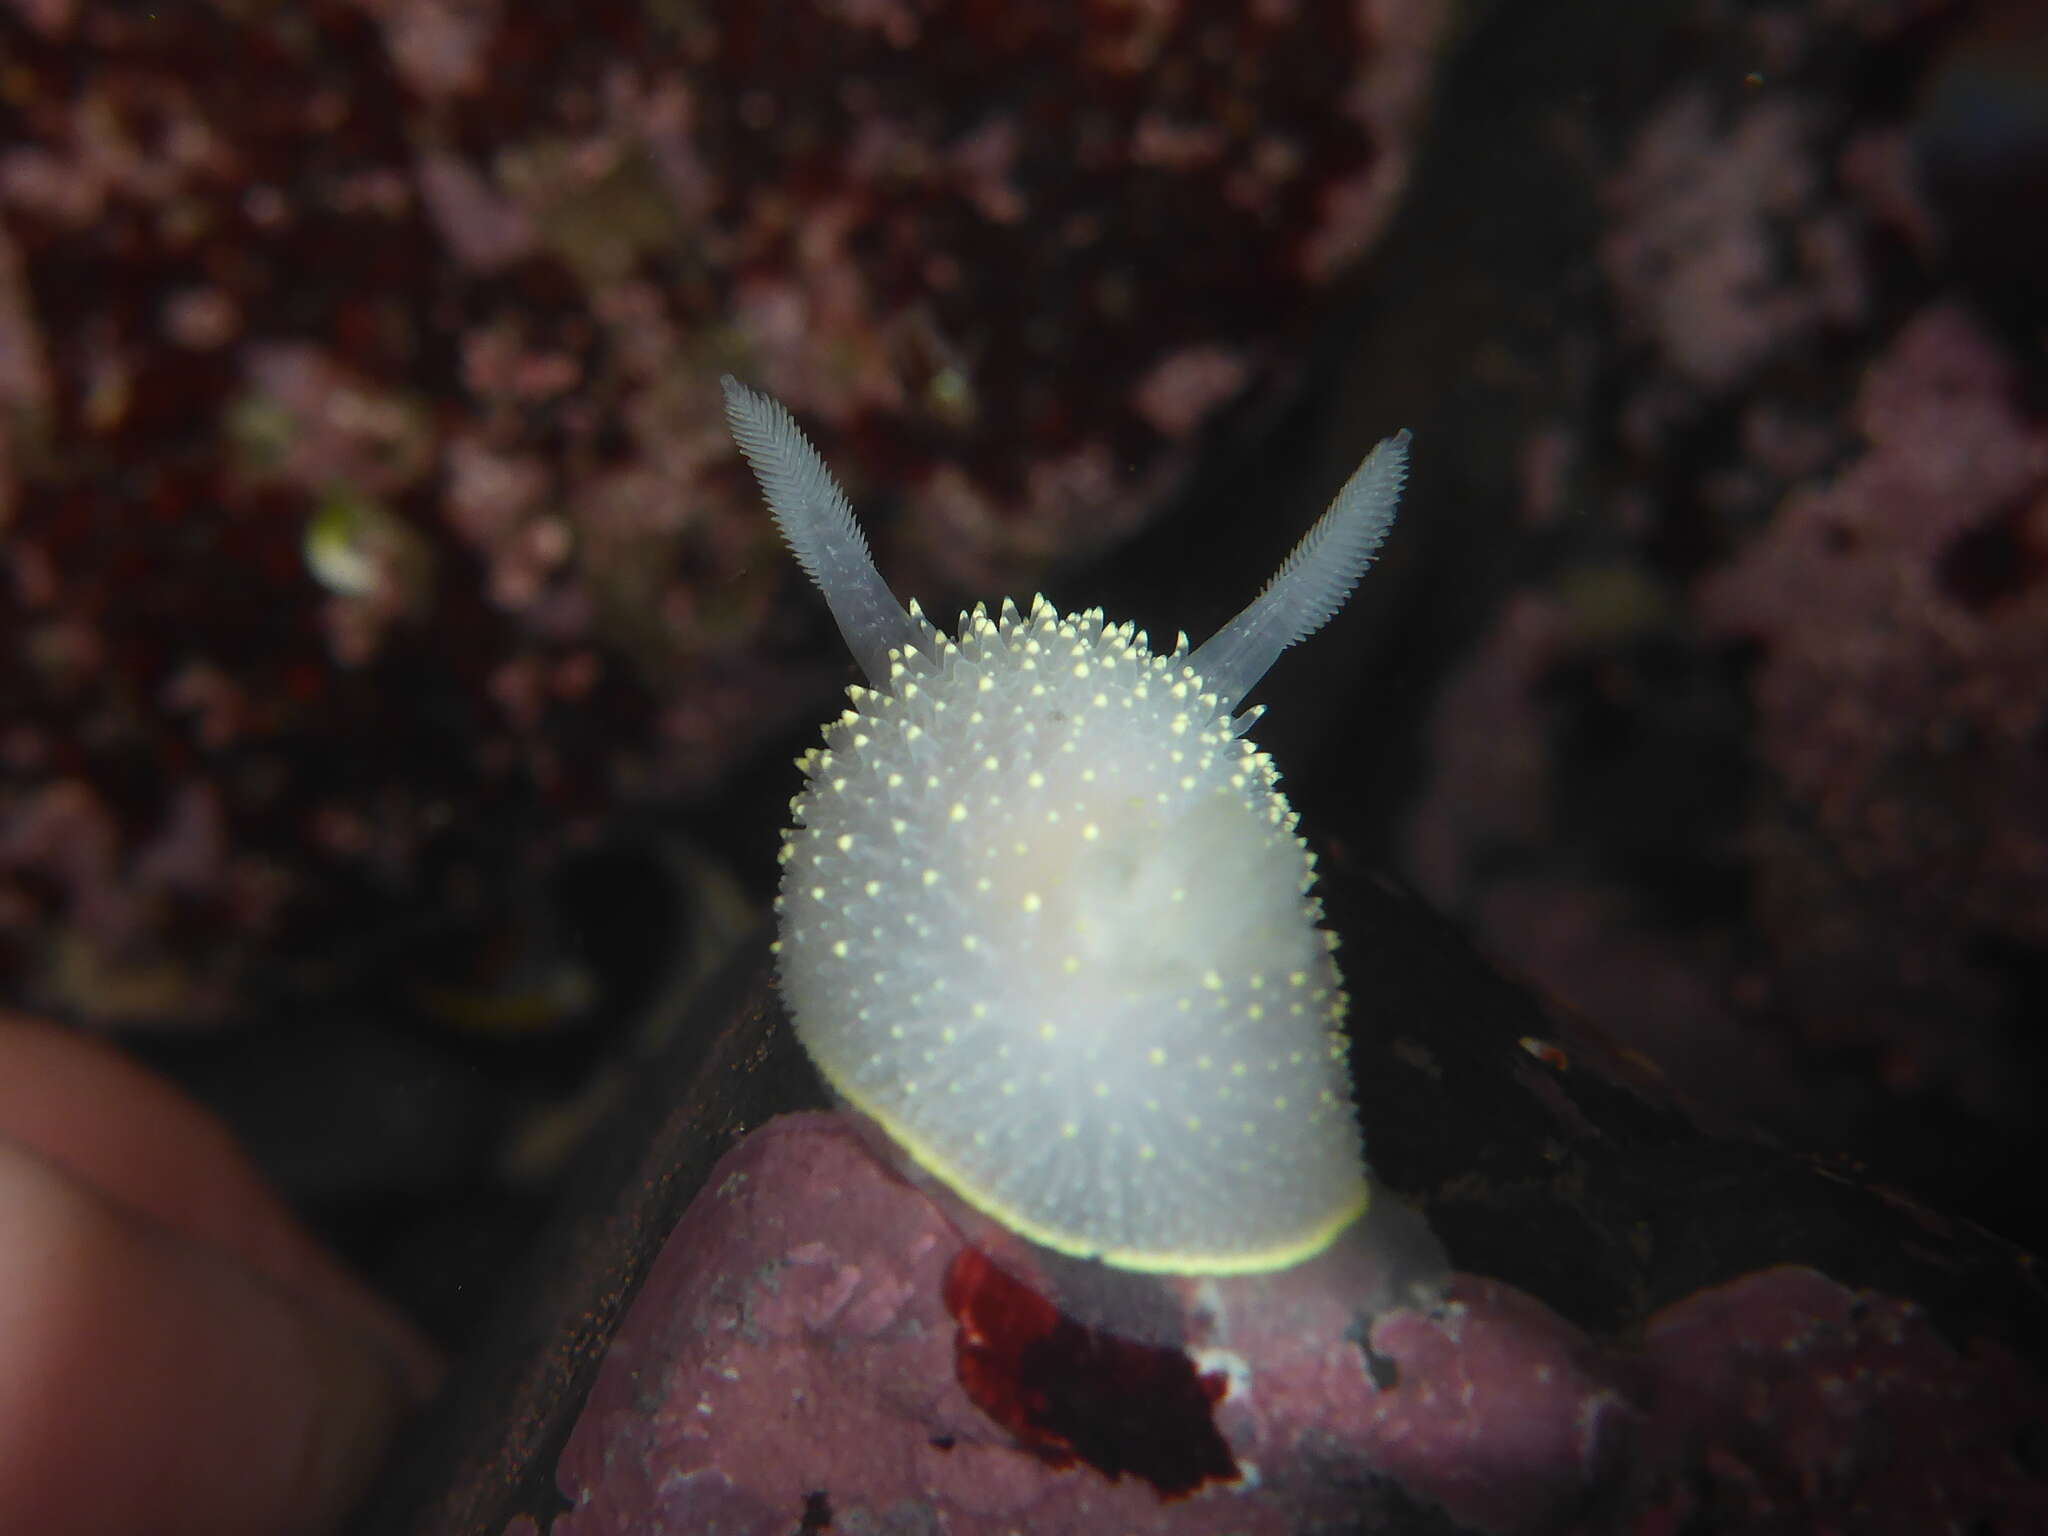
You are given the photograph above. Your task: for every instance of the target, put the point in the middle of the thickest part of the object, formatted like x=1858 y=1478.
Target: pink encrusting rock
x=791 y=1348
x=791 y=1359
x=1785 y=1401
x=789 y=1339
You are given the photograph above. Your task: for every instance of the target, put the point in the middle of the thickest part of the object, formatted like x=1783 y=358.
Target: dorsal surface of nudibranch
x=1045 y=917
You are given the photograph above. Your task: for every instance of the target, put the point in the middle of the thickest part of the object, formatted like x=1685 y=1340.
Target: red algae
x=1073 y=1393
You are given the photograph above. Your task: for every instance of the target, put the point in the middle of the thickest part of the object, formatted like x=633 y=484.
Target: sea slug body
x=1045 y=916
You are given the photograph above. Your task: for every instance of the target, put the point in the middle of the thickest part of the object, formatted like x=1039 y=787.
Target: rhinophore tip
x=817 y=522
x=1314 y=580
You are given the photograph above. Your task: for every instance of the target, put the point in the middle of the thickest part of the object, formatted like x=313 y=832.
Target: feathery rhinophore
x=1313 y=581
x=817 y=521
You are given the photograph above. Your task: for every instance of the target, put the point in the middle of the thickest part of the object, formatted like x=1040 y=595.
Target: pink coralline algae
x=1746 y=767
x=360 y=356
x=1901 y=693
x=792 y=1357
x=792 y=1343
x=1785 y=1402
x=1697 y=256
x=1902 y=623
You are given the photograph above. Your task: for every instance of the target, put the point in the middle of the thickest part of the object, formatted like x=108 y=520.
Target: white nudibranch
x=1045 y=917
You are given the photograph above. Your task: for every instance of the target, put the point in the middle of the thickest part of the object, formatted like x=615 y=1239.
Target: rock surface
x=792 y=1363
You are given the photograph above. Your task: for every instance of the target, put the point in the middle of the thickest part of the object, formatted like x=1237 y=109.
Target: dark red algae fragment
x=1072 y=1393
